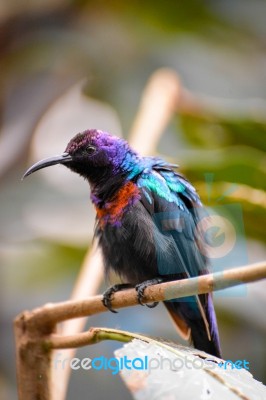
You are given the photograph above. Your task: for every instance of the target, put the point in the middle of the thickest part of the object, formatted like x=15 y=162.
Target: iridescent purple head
x=97 y=148
x=92 y=154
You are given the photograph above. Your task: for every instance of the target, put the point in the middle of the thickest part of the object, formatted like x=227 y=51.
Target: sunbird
x=147 y=216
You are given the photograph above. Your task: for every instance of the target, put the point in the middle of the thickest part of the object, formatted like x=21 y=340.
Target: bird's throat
x=112 y=211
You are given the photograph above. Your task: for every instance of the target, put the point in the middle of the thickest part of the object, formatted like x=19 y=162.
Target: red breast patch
x=113 y=211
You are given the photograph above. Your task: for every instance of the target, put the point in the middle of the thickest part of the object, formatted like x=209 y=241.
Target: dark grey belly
x=129 y=249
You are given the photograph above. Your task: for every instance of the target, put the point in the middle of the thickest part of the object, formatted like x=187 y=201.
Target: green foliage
x=214 y=131
x=232 y=147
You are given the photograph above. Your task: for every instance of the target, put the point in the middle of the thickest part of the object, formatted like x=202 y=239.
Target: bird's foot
x=140 y=288
x=108 y=294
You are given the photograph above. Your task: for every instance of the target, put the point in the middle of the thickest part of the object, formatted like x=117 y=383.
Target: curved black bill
x=47 y=162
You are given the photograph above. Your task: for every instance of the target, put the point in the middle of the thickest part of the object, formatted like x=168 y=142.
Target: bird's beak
x=47 y=162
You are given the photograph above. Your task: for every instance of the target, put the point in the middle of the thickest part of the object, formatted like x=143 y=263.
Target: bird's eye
x=90 y=149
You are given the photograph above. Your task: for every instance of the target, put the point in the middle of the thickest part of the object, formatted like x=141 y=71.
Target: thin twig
x=92 y=336
x=54 y=313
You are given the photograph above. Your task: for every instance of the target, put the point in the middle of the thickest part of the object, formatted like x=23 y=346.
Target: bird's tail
x=191 y=323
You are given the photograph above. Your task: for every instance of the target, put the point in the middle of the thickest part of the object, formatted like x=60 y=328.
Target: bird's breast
x=112 y=211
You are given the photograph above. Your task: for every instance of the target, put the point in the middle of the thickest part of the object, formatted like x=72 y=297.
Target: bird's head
x=92 y=154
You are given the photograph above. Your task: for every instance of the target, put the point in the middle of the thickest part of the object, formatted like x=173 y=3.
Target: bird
x=147 y=215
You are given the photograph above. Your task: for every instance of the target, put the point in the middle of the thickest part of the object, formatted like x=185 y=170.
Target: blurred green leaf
x=236 y=164
x=211 y=132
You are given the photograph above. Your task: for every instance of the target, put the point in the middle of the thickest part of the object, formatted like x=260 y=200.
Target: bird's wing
x=176 y=209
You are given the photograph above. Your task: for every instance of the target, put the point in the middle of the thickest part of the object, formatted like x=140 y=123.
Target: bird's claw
x=109 y=293
x=107 y=299
x=140 y=288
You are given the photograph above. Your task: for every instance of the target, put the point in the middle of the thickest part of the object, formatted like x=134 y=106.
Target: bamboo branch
x=51 y=314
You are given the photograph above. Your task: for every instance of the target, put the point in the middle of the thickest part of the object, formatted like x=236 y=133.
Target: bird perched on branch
x=146 y=224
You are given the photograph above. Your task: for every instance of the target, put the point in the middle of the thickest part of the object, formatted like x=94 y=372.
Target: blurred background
x=69 y=65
